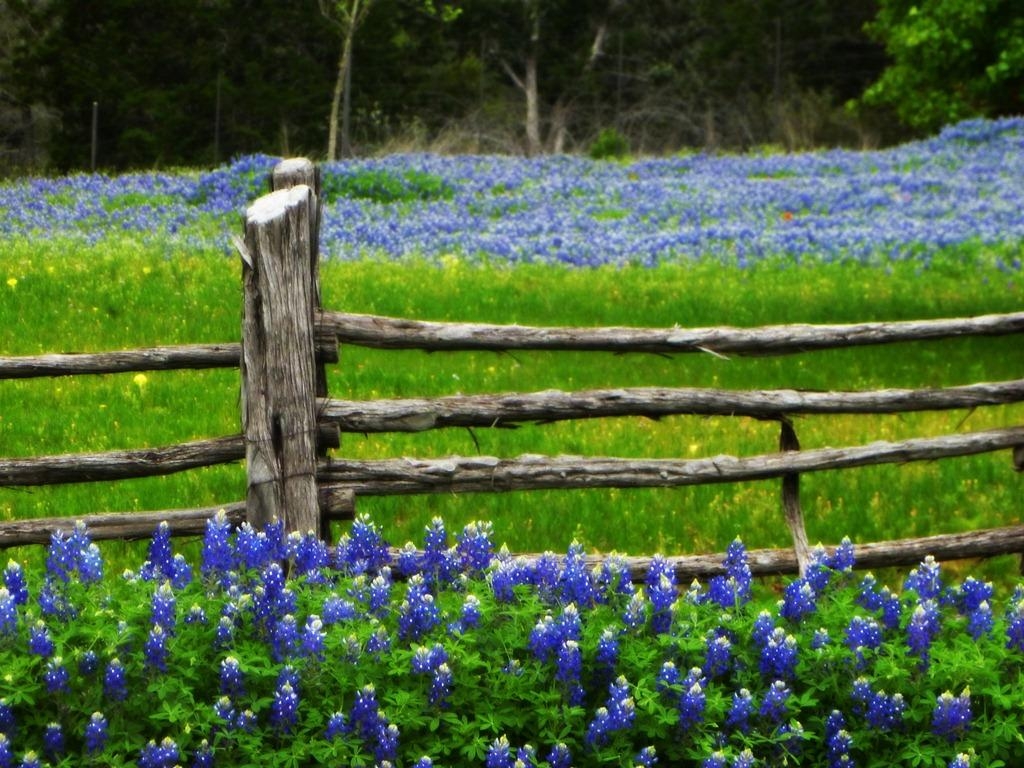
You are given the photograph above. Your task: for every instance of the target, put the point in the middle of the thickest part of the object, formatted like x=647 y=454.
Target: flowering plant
x=276 y=650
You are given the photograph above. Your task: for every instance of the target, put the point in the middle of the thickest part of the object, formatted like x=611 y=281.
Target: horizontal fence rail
x=488 y=474
x=398 y=333
x=395 y=333
x=509 y=410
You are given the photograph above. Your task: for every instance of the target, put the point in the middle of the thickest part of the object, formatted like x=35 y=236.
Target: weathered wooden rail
x=289 y=423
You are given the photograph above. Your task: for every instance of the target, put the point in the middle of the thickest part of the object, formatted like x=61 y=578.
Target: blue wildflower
x=232 y=680
x=799 y=600
x=335 y=610
x=284 y=708
x=607 y=656
x=843 y=558
x=635 y=614
x=380 y=593
x=773 y=706
x=418 y=613
x=838 y=741
x=980 y=621
x=951 y=717
x=925 y=580
x=163 y=607
x=863 y=635
x=499 y=754
x=742 y=707
x=764 y=625
x=8 y=613
x=217 y=557
x=575 y=582
x=568 y=666
x=820 y=639
x=53 y=741
x=96 y=734
x=646 y=757
x=922 y=629
x=336 y=726
x=160 y=563
x=56 y=676
x=744 y=759
x=163 y=755
x=1015 y=626
x=311 y=557
x=661 y=591
x=6 y=753
x=203 y=757
x=115 y=687
x=692 y=700
x=962 y=760
x=715 y=760
x=717 y=655
x=88 y=664
x=779 y=656
x=155 y=649
x=14 y=581
x=440 y=686
x=363 y=549
x=474 y=547
x=30 y=760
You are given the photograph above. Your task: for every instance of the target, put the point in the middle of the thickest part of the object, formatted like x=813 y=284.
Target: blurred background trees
x=195 y=82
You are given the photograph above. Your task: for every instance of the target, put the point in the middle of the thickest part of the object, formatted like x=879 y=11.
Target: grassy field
x=63 y=296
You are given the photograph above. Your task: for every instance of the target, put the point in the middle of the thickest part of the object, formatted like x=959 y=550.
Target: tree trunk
x=532 y=106
x=340 y=93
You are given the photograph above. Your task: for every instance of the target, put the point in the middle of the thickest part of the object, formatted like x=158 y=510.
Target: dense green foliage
x=950 y=59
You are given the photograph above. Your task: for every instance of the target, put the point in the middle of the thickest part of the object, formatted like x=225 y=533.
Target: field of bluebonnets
x=454 y=652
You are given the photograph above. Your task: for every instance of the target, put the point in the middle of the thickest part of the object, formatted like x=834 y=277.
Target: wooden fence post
x=791 y=498
x=278 y=362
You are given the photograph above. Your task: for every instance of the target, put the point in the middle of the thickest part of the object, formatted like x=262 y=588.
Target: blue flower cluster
x=622 y=660
x=964 y=186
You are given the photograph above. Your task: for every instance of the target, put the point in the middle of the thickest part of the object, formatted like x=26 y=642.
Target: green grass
x=120 y=294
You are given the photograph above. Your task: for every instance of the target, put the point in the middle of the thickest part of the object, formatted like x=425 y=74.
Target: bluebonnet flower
x=779 y=656
x=163 y=607
x=203 y=757
x=30 y=760
x=922 y=629
x=475 y=548
x=799 y=600
x=155 y=649
x=232 y=679
x=365 y=711
x=646 y=757
x=160 y=563
x=224 y=638
x=559 y=756
x=635 y=615
x=56 y=676
x=764 y=625
x=311 y=557
x=971 y=594
x=53 y=741
x=115 y=686
x=380 y=592
x=962 y=760
x=668 y=676
x=284 y=708
x=335 y=610
x=820 y=639
x=717 y=655
x=286 y=638
x=163 y=755
x=744 y=759
x=499 y=753
x=575 y=582
x=742 y=707
x=181 y=572
x=439 y=564
x=620 y=704
x=379 y=642
x=861 y=635
x=423 y=762
x=882 y=712
x=418 y=613
x=313 y=635
x=951 y=717
x=88 y=663
x=14 y=581
x=568 y=667
x=363 y=549
x=7 y=722
x=843 y=558
x=692 y=700
x=980 y=621
x=217 y=557
x=61 y=559
x=773 y=706
x=613 y=579
x=868 y=596
x=440 y=686
x=6 y=753
x=715 y=760
x=1015 y=626
x=925 y=580
x=661 y=591
x=386 y=747
x=469 y=618
x=224 y=709
x=336 y=726
x=838 y=741
x=8 y=613
x=607 y=656
x=733 y=589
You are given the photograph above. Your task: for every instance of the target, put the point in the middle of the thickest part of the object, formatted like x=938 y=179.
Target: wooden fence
x=289 y=423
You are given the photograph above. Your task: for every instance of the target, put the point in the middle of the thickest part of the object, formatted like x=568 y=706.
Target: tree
x=347 y=16
x=950 y=59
